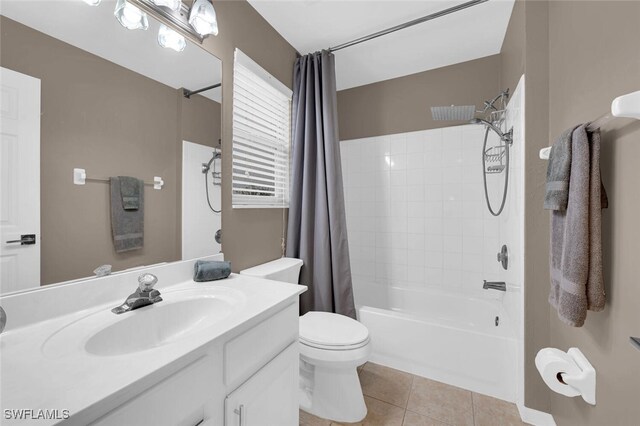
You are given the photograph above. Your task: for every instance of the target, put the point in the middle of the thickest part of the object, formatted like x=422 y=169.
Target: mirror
x=80 y=91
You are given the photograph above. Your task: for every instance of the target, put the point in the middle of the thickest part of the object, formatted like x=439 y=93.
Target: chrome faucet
x=143 y=296
x=494 y=285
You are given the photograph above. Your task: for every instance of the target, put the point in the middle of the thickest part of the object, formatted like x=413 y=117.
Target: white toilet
x=332 y=346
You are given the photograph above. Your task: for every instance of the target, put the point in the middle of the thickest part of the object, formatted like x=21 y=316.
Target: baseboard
x=535 y=417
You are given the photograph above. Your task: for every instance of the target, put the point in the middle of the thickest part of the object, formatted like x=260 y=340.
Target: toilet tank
x=286 y=269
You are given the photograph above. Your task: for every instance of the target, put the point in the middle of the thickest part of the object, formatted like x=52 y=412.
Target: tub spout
x=494 y=285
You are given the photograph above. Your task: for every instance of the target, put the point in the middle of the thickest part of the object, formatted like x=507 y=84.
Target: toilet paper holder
x=581 y=382
x=585 y=382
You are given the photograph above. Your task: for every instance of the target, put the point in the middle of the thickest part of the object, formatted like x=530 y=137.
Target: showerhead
x=453 y=112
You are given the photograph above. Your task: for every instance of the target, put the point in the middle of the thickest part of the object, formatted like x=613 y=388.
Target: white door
x=199 y=222
x=19 y=181
x=269 y=397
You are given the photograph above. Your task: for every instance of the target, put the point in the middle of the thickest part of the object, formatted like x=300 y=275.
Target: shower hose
x=484 y=174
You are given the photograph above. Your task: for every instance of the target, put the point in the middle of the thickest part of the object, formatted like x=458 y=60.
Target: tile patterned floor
x=396 y=398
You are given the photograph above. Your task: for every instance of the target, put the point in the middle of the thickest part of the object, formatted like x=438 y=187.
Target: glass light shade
x=203 y=18
x=170 y=4
x=92 y=2
x=171 y=39
x=130 y=16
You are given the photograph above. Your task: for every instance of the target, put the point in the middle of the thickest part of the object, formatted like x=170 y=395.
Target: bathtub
x=465 y=341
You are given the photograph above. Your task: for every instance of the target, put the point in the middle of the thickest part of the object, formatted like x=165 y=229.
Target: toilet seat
x=333 y=347
x=329 y=331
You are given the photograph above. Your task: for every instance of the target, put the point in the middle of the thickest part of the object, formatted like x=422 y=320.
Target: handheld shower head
x=207 y=166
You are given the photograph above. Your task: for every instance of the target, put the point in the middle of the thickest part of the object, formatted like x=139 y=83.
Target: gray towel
x=577 y=283
x=130 y=189
x=127 y=226
x=558 y=170
x=210 y=270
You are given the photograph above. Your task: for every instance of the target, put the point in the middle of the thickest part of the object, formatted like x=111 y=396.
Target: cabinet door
x=269 y=397
x=179 y=400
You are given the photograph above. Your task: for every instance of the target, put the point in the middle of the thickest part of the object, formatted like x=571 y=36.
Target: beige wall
x=575 y=64
x=110 y=121
x=250 y=236
x=593 y=57
x=525 y=51
x=200 y=120
x=512 y=53
x=403 y=104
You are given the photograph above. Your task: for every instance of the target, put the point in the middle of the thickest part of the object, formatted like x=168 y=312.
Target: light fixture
x=171 y=39
x=169 y=4
x=203 y=18
x=130 y=16
x=92 y=2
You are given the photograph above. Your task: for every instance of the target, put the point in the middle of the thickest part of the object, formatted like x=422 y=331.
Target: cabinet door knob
x=240 y=412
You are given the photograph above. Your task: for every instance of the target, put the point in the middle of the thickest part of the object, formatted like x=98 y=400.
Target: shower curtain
x=317 y=231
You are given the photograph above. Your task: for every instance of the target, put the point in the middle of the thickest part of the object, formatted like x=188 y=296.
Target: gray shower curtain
x=317 y=231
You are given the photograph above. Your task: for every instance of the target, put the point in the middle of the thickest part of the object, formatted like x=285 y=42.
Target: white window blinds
x=261 y=137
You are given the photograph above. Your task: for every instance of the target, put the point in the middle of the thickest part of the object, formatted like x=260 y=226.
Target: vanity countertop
x=35 y=377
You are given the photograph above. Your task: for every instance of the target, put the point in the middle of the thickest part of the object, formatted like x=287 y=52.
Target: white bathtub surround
x=448 y=337
x=416 y=213
x=422 y=241
x=55 y=357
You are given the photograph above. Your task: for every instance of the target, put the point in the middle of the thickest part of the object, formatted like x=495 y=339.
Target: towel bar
x=627 y=106
x=80 y=178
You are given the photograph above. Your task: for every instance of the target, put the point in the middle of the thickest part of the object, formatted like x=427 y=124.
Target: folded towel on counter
x=211 y=270
x=127 y=226
x=130 y=189
x=577 y=283
x=558 y=171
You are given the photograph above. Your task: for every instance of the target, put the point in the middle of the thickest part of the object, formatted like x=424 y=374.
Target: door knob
x=25 y=240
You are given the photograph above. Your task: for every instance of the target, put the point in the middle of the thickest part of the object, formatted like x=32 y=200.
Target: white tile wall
x=416 y=211
x=417 y=217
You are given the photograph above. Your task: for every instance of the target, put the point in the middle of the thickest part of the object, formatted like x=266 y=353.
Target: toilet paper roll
x=551 y=363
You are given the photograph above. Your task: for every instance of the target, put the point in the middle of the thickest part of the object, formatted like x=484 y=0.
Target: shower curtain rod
x=187 y=93
x=408 y=24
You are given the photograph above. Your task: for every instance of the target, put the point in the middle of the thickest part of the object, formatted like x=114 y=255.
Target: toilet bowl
x=332 y=346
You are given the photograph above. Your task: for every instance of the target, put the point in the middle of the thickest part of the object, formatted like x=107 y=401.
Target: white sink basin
x=181 y=314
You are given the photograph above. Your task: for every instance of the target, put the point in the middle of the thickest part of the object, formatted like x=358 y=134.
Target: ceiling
x=312 y=25
x=95 y=30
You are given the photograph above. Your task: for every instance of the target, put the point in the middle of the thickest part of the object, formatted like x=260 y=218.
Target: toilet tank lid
x=328 y=329
x=278 y=265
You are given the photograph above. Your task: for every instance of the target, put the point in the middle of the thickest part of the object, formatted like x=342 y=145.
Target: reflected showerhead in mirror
x=453 y=113
x=203 y=18
x=130 y=16
x=170 y=39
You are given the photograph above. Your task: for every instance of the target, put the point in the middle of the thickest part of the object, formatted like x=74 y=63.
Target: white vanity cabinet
x=269 y=397
x=205 y=351
x=180 y=400
x=256 y=369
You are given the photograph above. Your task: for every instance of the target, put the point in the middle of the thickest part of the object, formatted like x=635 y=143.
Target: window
x=261 y=137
